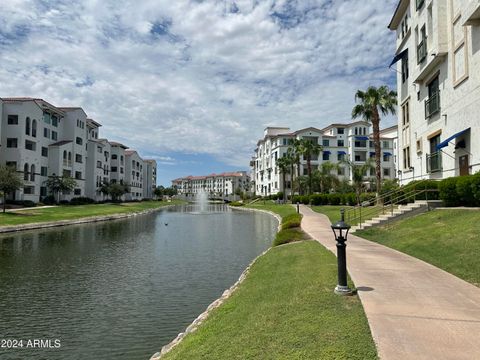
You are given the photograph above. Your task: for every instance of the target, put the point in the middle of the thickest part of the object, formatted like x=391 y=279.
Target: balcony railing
x=432 y=105
x=422 y=51
x=434 y=162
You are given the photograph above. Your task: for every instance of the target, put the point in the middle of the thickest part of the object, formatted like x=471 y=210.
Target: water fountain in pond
x=201 y=200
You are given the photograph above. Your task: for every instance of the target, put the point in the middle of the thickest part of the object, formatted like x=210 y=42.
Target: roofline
x=36 y=101
x=393 y=25
x=66 y=108
x=93 y=122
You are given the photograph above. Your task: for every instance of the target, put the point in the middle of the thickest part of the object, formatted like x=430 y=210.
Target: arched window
x=34 y=128
x=356 y=131
x=64 y=154
x=69 y=158
x=27 y=126
x=32 y=173
x=364 y=131
x=25 y=172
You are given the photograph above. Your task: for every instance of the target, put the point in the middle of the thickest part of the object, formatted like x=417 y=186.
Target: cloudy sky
x=194 y=83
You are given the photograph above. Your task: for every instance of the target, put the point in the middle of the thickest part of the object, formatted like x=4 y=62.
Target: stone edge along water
x=226 y=294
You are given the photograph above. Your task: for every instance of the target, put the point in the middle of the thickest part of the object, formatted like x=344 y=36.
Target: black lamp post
x=340 y=230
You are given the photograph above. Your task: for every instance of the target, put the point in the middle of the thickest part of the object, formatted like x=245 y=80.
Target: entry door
x=464 y=166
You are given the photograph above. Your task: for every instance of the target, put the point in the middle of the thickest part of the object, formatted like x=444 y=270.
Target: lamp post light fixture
x=340 y=230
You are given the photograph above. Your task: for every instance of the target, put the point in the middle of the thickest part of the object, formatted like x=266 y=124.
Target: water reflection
x=120 y=290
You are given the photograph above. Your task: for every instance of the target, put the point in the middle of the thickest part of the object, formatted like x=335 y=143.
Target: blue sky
x=193 y=84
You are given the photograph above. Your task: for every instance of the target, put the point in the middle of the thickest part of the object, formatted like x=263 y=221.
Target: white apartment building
x=149 y=178
x=134 y=165
x=42 y=140
x=224 y=184
x=438 y=81
x=339 y=141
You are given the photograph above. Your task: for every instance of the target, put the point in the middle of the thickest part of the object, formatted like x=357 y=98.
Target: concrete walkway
x=415 y=310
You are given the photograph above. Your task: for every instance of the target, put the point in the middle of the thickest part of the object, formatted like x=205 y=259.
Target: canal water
x=122 y=289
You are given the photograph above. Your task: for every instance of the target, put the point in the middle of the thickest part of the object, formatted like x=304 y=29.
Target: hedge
x=333 y=199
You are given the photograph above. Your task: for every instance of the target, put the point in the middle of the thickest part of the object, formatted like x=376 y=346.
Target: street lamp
x=340 y=230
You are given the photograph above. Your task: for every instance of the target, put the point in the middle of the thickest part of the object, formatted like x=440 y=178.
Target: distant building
x=339 y=141
x=220 y=185
x=438 y=81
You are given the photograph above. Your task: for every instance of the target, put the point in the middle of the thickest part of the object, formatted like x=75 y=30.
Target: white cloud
x=194 y=77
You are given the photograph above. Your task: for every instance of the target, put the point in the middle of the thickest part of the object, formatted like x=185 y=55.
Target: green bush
x=448 y=191
x=81 y=200
x=465 y=191
x=236 y=204
x=287 y=236
x=291 y=221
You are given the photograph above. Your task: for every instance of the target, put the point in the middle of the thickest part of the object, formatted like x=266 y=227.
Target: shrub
x=291 y=221
x=334 y=199
x=465 y=191
x=367 y=197
x=236 y=204
x=49 y=200
x=288 y=236
x=318 y=199
x=448 y=191
x=81 y=200
x=64 y=202
x=476 y=188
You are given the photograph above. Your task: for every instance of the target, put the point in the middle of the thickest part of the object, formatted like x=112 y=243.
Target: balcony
x=472 y=14
x=434 y=162
x=432 y=105
x=422 y=51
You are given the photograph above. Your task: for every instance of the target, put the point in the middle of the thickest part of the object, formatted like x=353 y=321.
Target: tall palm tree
x=284 y=167
x=370 y=104
x=297 y=152
x=292 y=161
x=309 y=149
x=358 y=175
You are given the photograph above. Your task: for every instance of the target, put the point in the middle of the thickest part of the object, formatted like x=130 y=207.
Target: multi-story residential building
x=217 y=185
x=438 y=81
x=340 y=142
x=134 y=165
x=41 y=140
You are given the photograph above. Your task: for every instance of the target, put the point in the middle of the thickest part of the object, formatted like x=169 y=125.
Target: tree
x=292 y=161
x=284 y=165
x=115 y=190
x=10 y=181
x=324 y=178
x=309 y=149
x=370 y=104
x=358 y=175
x=59 y=185
x=159 y=191
x=297 y=152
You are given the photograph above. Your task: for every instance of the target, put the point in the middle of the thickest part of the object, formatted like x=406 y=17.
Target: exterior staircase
x=400 y=212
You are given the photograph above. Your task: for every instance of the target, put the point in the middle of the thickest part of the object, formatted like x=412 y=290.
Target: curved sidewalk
x=415 y=310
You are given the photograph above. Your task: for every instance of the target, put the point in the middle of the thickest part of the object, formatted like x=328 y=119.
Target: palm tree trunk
x=309 y=169
x=298 y=176
x=291 y=182
x=284 y=187
x=378 y=159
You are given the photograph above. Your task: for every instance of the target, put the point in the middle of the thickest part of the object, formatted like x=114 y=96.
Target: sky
x=192 y=83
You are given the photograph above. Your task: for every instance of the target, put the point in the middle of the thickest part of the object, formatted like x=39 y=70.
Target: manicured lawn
x=282 y=210
x=448 y=239
x=285 y=309
x=332 y=211
x=68 y=212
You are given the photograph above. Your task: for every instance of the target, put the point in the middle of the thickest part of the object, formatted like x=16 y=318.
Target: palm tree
x=324 y=177
x=358 y=175
x=297 y=151
x=284 y=165
x=370 y=104
x=290 y=155
x=309 y=149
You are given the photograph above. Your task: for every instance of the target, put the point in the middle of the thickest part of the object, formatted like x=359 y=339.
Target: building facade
x=216 y=185
x=41 y=140
x=438 y=64
x=340 y=142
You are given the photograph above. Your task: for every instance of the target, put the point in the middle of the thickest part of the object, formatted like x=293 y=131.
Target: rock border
x=85 y=220
x=217 y=303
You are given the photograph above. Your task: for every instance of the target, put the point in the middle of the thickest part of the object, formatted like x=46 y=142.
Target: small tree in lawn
x=117 y=190
x=58 y=185
x=10 y=181
x=159 y=191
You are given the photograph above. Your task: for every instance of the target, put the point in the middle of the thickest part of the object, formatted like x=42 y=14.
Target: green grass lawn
x=282 y=210
x=448 y=239
x=332 y=211
x=285 y=309
x=69 y=212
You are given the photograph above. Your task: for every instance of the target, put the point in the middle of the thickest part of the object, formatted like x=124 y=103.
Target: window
x=25 y=172
x=12 y=142
x=341 y=131
x=34 y=128
x=43 y=171
x=46 y=133
x=78 y=158
x=432 y=105
x=54 y=121
x=12 y=120
x=340 y=143
x=29 y=190
x=386 y=171
x=360 y=143
x=422 y=46
x=386 y=158
x=79 y=141
x=44 y=151
x=32 y=172
x=356 y=131
x=121 y=170
x=30 y=145
x=46 y=118
x=340 y=156
x=341 y=171
x=12 y=164
x=27 y=126
x=114 y=156
x=386 y=144
x=99 y=150
x=405 y=70
x=406 y=158
x=114 y=169
x=77 y=192
x=43 y=191
x=54 y=135
x=78 y=175
x=326 y=156
x=420 y=4
x=371 y=144
x=326 y=142
x=99 y=164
